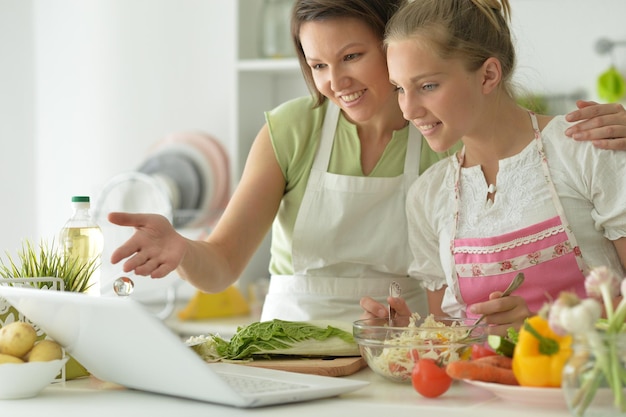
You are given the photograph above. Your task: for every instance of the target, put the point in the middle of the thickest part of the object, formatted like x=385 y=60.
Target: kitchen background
x=88 y=87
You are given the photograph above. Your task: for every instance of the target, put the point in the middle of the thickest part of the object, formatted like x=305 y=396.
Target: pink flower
x=506 y=265
x=560 y=249
x=476 y=270
x=599 y=278
x=533 y=258
x=564 y=302
x=569 y=314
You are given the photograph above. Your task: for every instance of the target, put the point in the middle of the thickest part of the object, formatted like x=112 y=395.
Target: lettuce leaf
x=277 y=337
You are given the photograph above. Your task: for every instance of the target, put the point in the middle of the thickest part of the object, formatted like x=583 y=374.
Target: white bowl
x=25 y=380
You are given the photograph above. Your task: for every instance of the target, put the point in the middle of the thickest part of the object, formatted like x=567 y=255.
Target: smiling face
x=440 y=97
x=349 y=67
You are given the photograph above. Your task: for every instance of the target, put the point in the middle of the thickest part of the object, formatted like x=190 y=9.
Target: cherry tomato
x=430 y=379
x=480 y=351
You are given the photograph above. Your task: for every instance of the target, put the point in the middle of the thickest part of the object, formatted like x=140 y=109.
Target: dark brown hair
x=374 y=13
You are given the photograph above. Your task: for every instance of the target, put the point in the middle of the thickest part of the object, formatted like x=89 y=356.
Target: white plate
x=528 y=395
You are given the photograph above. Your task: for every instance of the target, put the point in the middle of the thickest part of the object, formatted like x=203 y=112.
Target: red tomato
x=430 y=379
x=480 y=351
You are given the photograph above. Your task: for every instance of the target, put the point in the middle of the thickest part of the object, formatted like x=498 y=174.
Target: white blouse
x=590 y=182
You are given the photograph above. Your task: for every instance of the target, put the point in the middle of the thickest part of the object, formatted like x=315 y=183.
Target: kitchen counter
x=89 y=397
x=224 y=326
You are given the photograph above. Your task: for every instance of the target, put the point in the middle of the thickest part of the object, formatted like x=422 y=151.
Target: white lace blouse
x=590 y=183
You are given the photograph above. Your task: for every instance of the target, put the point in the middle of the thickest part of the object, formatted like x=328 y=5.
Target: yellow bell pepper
x=540 y=354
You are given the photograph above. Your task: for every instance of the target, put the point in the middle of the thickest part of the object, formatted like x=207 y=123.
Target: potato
x=17 y=338
x=43 y=351
x=9 y=359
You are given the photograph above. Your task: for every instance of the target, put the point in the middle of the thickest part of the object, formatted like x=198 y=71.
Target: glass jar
x=594 y=378
x=275 y=34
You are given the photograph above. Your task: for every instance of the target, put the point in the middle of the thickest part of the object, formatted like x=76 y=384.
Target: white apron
x=350 y=240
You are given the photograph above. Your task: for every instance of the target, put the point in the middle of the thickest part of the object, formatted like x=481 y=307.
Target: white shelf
x=260 y=85
x=268 y=65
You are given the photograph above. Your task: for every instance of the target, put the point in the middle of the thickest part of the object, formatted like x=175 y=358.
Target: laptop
x=119 y=341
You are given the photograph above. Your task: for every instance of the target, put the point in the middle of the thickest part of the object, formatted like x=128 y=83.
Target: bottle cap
x=80 y=199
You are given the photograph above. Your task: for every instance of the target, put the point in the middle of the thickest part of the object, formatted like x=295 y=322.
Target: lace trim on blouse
x=481 y=250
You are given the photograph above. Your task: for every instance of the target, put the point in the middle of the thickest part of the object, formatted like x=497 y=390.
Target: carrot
x=485 y=369
x=496 y=360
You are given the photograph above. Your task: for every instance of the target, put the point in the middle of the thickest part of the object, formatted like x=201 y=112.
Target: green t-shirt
x=295 y=130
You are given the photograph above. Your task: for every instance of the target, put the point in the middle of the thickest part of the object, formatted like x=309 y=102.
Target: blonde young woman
x=328 y=174
x=518 y=197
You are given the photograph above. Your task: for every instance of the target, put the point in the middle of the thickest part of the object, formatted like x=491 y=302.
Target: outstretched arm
x=211 y=265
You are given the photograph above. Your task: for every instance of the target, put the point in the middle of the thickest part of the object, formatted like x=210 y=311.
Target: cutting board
x=317 y=366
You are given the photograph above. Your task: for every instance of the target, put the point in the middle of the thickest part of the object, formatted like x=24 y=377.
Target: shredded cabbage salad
x=431 y=339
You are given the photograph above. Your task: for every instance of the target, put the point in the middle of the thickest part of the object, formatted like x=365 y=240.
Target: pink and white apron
x=349 y=240
x=546 y=252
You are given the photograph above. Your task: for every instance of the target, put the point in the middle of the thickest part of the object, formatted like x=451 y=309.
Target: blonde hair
x=470 y=30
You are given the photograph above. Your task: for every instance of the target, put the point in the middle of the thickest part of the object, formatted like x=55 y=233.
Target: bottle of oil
x=82 y=241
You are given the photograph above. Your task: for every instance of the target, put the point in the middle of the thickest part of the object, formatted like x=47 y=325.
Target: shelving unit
x=260 y=85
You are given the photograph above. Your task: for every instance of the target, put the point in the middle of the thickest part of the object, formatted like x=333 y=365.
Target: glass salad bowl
x=392 y=347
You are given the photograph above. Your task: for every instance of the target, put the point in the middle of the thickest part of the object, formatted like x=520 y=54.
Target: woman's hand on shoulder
x=604 y=124
x=373 y=309
x=502 y=312
x=155 y=249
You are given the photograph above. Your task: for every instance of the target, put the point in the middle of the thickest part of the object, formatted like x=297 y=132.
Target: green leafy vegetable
x=277 y=337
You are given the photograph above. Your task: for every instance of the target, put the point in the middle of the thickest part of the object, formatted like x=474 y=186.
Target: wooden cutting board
x=326 y=367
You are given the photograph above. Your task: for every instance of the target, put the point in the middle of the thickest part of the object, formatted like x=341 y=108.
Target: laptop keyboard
x=254 y=385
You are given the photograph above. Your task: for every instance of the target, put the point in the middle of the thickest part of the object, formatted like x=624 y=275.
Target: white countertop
x=90 y=397
x=224 y=326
